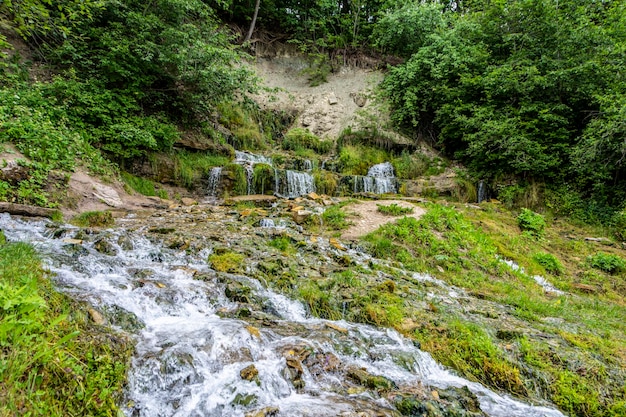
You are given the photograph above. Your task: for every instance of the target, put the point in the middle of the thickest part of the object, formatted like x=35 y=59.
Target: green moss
x=325 y=182
x=264 y=179
x=227 y=262
x=93 y=219
x=298 y=139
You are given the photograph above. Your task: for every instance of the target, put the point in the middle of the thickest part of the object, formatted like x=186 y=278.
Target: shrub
x=298 y=139
x=550 y=263
x=607 y=262
x=532 y=223
x=619 y=225
x=335 y=218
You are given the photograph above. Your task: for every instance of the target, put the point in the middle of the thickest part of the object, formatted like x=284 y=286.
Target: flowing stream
x=194 y=358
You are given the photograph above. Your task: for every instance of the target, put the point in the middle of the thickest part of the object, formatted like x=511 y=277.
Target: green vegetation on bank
x=498 y=325
x=53 y=361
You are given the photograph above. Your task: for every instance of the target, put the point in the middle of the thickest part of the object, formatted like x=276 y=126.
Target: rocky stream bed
x=227 y=341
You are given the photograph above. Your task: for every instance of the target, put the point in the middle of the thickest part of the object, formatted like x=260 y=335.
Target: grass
x=394 y=209
x=142 y=186
x=191 y=166
x=93 y=219
x=53 y=361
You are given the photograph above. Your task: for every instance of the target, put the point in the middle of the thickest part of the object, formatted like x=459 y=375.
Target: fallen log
x=30 y=211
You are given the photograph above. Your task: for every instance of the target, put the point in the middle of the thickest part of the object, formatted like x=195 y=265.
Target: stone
x=332 y=99
x=186 y=201
x=73 y=241
x=263 y=412
x=107 y=195
x=589 y=289
x=336 y=244
x=301 y=216
x=249 y=373
x=314 y=196
x=105 y=247
x=336 y=327
x=96 y=317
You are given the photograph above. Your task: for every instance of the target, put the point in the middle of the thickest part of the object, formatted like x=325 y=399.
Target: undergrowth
x=52 y=360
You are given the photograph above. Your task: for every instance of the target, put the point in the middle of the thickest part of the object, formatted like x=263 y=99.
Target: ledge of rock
x=255 y=198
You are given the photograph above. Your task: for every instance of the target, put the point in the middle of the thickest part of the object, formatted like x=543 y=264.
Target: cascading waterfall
x=379 y=180
x=288 y=183
x=291 y=184
x=191 y=359
x=215 y=177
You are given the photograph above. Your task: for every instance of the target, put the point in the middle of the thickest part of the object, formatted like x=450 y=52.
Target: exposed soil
x=366 y=218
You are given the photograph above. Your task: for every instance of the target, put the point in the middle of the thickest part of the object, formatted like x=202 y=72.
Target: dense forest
x=529 y=94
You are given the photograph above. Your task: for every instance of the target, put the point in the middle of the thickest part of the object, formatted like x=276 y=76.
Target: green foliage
x=282 y=243
x=93 y=219
x=141 y=185
x=607 y=262
x=263 y=176
x=549 y=262
x=325 y=182
x=237 y=174
x=394 y=209
x=357 y=159
x=531 y=222
x=334 y=218
x=518 y=89
x=53 y=362
x=410 y=166
x=191 y=166
x=619 y=225
x=298 y=138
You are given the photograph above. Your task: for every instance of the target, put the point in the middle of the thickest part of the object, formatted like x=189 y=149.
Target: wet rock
x=364 y=378
x=322 y=362
x=125 y=242
x=105 y=247
x=124 y=319
x=264 y=412
x=162 y=230
x=24 y=210
x=301 y=216
x=249 y=373
x=236 y=291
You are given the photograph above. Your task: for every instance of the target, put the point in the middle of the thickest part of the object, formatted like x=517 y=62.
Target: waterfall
x=214 y=181
x=287 y=183
x=379 y=180
x=481 y=193
x=291 y=184
x=193 y=359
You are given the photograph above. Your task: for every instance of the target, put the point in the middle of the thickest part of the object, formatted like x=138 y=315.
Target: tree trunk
x=256 y=13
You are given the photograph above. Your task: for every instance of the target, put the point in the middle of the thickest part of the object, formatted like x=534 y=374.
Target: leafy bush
x=550 y=262
x=619 y=225
x=298 y=138
x=531 y=222
x=607 y=262
x=394 y=209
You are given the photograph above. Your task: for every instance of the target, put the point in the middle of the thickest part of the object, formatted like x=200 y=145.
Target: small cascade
x=379 y=180
x=287 y=183
x=267 y=223
x=250 y=158
x=196 y=356
x=214 y=181
x=481 y=192
x=292 y=184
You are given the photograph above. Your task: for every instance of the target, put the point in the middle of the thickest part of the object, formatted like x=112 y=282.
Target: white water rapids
x=189 y=357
